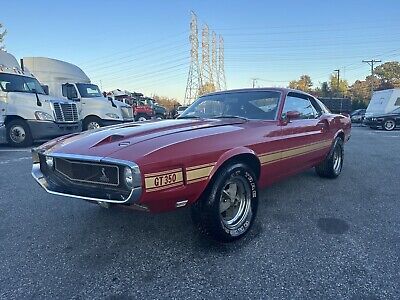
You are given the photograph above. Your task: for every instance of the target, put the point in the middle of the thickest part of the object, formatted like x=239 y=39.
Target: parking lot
x=313 y=238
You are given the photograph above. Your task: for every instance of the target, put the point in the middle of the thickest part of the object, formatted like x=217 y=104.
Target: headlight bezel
x=43 y=116
x=112 y=116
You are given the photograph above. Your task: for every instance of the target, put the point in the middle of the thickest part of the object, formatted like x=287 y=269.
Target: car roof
x=264 y=89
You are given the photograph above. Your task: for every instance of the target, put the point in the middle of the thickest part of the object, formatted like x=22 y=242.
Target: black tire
x=332 y=166
x=141 y=118
x=206 y=213
x=160 y=116
x=389 y=125
x=19 y=134
x=89 y=123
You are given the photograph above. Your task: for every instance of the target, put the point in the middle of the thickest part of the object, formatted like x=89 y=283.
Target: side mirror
x=292 y=115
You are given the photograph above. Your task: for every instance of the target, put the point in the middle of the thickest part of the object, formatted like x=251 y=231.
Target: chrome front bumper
x=90 y=193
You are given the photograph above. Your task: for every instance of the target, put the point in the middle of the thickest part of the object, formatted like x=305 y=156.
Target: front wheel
x=19 y=134
x=227 y=209
x=91 y=123
x=332 y=166
x=389 y=125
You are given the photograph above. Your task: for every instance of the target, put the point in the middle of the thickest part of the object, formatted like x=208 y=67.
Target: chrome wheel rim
x=17 y=134
x=93 y=125
x=142 y=119
x=235 y=203
x=389 y=125
x=337 y=160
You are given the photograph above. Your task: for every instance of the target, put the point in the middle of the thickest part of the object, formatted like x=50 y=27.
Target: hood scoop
x=111 y=139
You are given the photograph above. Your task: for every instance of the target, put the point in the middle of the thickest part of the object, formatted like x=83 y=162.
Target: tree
x=340 y=90
x=303 y=84
x=207 y=88
x=2 y=35
x=168 y=103
x=388 y=74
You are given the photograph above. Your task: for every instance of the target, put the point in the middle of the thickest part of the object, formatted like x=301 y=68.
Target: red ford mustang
x=214 y=157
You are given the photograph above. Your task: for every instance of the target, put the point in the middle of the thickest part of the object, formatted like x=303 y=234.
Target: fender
x=230 y=154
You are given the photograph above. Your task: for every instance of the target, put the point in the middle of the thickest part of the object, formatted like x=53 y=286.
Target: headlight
x=112 y=116
x=128 y=177
x=43 y=116
x=49 y=162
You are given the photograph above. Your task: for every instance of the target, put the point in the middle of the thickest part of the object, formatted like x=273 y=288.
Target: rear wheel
x=227 y=209
x=92 y=123
x=332 y=166
x=389 y=125
x=19 y=134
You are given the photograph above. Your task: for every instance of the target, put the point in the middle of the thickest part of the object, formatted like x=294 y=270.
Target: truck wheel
x=389 y=125
x=331 y=167
x=160 y=117
x=19 y=134
x=141 y=118
x=92 y=123
x=227 y=209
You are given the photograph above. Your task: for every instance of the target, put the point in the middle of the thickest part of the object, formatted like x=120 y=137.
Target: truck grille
x=65 y=112
x=127 y=112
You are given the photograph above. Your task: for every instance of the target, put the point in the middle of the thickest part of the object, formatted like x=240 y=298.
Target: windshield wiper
x=230 y=117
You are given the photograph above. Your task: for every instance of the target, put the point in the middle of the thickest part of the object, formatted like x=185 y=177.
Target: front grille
x=127 y=112
x=87 y=172
x=65 y=112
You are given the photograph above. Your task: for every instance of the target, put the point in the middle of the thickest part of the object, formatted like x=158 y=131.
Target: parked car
x=357 y=116
x=160 y=112
x=337 y=105
x=180 y=110
x=387 y=121
x=215 y=157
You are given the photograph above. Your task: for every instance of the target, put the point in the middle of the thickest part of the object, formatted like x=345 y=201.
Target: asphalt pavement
x=313 y=238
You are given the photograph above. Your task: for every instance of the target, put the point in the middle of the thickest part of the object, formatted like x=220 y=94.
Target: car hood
x=105 y=141
x=384 y=115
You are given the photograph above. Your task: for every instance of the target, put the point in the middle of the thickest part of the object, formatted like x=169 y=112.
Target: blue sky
x=143 y=45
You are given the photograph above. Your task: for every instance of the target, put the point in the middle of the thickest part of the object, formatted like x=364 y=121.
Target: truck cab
x=96 y=110
x=70 y=82
x=26 y=112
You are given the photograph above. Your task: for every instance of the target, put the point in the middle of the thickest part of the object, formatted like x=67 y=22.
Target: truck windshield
x=19 y=83
x=88 y=90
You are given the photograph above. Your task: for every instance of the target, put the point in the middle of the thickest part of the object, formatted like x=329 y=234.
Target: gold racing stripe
x=162 y=180
x=199 y=173
x=271 y=157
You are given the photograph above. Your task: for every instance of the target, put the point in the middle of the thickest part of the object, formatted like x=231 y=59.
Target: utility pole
x=338 y=80
x=206 y=71
x=214 y=62
x=371 y=63
x=254 y=80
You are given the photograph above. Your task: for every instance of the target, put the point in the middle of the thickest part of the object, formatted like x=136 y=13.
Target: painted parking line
x=15 y=160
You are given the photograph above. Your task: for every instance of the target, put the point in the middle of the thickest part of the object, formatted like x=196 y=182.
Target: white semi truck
x=66 y=80
x=26 y=112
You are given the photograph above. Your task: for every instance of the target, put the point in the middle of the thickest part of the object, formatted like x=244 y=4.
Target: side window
x=69 y=91
x=302 y=105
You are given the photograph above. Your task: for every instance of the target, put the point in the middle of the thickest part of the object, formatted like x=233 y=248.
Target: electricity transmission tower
x=214 y=63
x=206 y=72
x=194 y=77
x=221 y=66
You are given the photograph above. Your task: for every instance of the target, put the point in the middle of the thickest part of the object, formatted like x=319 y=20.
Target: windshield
x=261 y=105
x=88 y=90
x=396 y=111
x=18 y=83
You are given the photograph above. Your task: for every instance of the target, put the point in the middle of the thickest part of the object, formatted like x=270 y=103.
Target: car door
x=305 y=136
